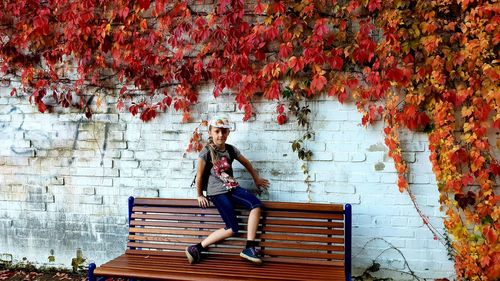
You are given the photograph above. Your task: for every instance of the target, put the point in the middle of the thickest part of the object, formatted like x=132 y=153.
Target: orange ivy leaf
x=490 y=234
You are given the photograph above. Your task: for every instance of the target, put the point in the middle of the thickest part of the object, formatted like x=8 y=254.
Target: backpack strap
x=206 y=171
x=232 y=152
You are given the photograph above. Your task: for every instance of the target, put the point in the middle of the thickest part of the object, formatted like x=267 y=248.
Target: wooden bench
x=298 y=241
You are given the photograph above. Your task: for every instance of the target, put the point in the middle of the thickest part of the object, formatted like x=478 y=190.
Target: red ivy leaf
x=259 y=8
x=281 y=119
x=296 y=64
x=280 y=108
x=123 y=90
x=285 y=50
x=374 y=5
x=273 y=92
x=119 y=105
x=167 y=100
x=496 y=124
x=336 y=62
x=41 y=107
x=467 y=179
x=133 y=109
x=144 y=4
x=321 y=28
x=318 y=83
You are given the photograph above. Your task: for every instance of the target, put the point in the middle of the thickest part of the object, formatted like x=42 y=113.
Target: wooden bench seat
x=298 y=241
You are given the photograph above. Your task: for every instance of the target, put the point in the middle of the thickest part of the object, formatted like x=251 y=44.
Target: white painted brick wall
x=64 y=180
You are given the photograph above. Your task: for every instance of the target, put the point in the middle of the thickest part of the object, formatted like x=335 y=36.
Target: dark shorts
x=225 y=204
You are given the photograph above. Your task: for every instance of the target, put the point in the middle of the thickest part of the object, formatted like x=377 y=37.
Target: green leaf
x=287 y=93
x=487 y=220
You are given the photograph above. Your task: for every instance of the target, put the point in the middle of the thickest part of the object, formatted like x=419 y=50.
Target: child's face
x=219 y=135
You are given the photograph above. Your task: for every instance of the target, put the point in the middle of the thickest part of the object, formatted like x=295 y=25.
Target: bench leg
x=90 y=274
x=348 y=240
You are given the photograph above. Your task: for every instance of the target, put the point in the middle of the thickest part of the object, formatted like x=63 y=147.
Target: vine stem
x=440 y=237
x=391 y=247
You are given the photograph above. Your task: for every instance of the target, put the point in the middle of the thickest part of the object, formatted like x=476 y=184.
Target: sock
x=251 y=243
x=200 y=247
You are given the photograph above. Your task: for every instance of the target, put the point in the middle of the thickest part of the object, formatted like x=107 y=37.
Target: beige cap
x=220 y=122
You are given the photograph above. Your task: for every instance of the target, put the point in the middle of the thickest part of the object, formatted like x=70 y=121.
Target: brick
x=336 y=198
x=146 y=155
x=322 y=126
x=126 y=164
x=146 y=192
x=42 y=198
x=331 y=177
x=383 y=231
x=418 y=179
x=212 y=107
x=412 y=146
x=388 y=178
x=106 y=118
x=339 y=188
x=5 y=118
x=357 y=156
x=226 y=107
x=399 y=221
x=97 y=172
x=85 y=181
x=340 y=156
x=16 y=161
x=90 y=199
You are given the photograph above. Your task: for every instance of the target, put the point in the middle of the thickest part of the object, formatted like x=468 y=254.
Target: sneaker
x=251 y=254
x=193 y=254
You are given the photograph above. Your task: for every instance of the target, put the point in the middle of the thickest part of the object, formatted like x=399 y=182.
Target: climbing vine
x=301 y=113
x=428 y=66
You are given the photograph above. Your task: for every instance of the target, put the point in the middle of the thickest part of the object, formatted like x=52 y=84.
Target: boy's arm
x=259 y=182
x=202 y=201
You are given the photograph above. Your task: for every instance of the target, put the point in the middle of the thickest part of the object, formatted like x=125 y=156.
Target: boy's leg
x=226 y=211
x=216 y=236
x=253 y=223
x=252 y=203
x=245 y=198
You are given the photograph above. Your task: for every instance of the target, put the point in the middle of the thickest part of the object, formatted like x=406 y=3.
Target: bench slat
x=308 y=215
x=307 y=230
x=267 y=205
x=183 y=211
x=313 y=255
x=334 y=224
x=335 y=248
x=177 y=224
x=178 y=218
x=268 y=236
x=153 y=230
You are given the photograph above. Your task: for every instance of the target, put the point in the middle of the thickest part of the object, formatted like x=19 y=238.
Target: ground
x=21 y=275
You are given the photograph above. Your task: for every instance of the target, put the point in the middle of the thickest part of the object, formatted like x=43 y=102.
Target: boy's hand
x=203 y=201
x=261 y=183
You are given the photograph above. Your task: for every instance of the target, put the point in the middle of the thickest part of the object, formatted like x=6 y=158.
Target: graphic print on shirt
x=220 y=169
